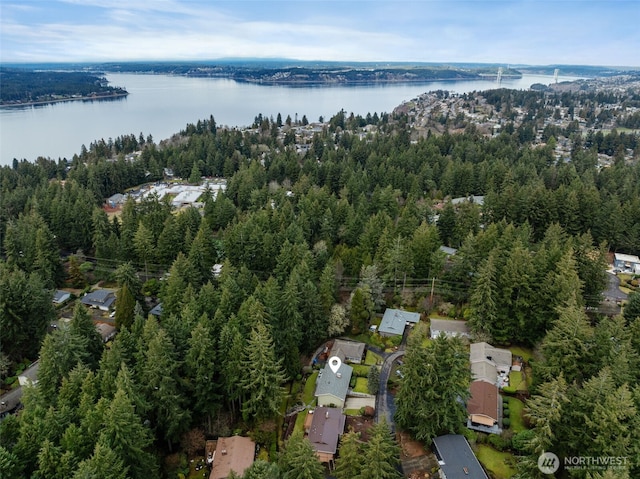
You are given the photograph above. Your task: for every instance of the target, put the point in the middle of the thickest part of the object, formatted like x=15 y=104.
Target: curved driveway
x=613 y=293
x=385 y=403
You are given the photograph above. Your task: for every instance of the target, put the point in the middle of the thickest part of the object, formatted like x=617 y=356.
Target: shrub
x=151 y=287
x=521 y=440
x=471 y=436
x=498 y=442
x=506 y=412
x=86 y=267
x=506 y=422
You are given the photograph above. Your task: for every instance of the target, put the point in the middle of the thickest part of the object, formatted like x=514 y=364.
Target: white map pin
x=335 y=363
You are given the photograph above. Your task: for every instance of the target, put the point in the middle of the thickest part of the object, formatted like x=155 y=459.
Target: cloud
x=514 y=31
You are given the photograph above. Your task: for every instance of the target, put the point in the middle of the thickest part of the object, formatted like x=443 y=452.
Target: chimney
x=224 y=452
x=326 y=414
x=338 y=375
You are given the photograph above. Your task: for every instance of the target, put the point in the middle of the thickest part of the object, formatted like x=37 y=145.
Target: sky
x=534 y=32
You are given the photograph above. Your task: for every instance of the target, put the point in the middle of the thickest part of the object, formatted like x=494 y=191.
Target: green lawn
x=516 y=410
x=500 y=464
x=517 y=381
x=300 y=421
x=372 y=358
x=352 y=412
x=361 y=386
x=360 y=370
x=309 y=389
x=525 y=353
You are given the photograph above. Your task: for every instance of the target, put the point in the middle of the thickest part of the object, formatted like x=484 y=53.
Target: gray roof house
x=349 y=351
x=456 y=459
x=394 y=321
x=60 y=297
x=448 y=251
x=332 y=388
x=626 y=262
x=501 y=358
x=156 y=310
x=484 y=371
x=115 y=200
x=450 y=327
x=102 y=299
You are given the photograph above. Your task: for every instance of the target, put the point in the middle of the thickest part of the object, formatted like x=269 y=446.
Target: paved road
x=613 y=292
x=385 y=402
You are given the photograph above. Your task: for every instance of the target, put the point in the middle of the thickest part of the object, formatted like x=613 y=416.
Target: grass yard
x=517 y=381
x=361 y=386
x=372 y=358
x=500 y=464
x=300 y=422
x=360 y=370
x=352 y=412
x=372 y=339
x=309 y=389
x=524 y=353
x=516 y=408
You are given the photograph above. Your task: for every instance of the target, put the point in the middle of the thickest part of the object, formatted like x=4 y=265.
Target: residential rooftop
x=394 y=321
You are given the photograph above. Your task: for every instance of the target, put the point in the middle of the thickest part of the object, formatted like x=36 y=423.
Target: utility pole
x=433 y=282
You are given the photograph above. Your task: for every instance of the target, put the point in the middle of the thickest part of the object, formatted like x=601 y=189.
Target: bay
x=162 y=105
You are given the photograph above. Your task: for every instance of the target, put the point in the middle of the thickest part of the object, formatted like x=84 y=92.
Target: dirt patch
x=409 y=446
x=359 y=424
x=417 y=462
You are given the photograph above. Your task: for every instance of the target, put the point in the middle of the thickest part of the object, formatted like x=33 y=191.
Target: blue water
x=162 y=105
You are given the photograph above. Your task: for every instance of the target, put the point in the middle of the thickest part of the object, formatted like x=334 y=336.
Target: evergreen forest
x=314 y=245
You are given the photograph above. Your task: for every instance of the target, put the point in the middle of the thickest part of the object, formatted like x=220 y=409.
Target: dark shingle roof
x=457 y=460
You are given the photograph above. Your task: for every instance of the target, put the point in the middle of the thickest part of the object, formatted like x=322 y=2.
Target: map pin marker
x=335 y=363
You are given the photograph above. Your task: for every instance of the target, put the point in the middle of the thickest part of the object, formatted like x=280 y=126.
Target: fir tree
x=262 y=376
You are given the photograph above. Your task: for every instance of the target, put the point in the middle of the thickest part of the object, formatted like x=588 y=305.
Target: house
x=490 y=364
x=325 y=426
x=156 y=310
x=107 y=331
x=395 y=320
x=456 y=459
x=626 y=263
x=448 y=251
x=60 y=297
x=349 y=351
x=235 y=454
x=450 y=327
x=478 y=200
x=116 y=200
x=102 y=299
x=484 y=407
x=332 y=388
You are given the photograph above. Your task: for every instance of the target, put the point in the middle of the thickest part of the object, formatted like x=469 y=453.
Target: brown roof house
x=484 y=407
x=324 y=428
x=235 y=454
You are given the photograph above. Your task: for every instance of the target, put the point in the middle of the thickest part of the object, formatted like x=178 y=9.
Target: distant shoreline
x=60 y=100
